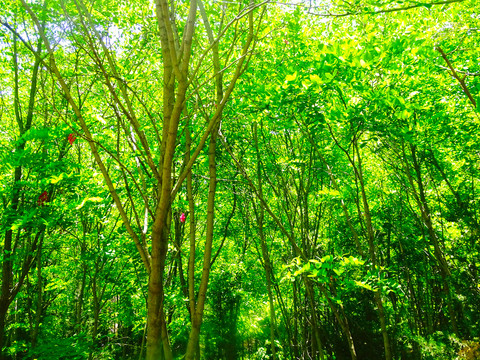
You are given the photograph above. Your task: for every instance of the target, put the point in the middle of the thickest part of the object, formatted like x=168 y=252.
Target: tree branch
x=455 y=75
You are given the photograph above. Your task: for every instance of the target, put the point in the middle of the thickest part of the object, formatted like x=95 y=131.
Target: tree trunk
x=315 y=326
x=372 y=251
x=197 y=316
x=265 y=255
x=3 y=317
x=38 y=314
x=427 y=220
x=158 y=346
x=80 y=289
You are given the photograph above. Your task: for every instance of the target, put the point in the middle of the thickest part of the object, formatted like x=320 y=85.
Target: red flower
x=42 y=199
x=182 y=218
x=71 y=138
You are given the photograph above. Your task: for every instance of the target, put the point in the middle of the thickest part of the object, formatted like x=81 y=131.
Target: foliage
x=322 y=196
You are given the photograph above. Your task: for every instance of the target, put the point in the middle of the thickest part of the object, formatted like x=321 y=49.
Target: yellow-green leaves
x=291 y=77
x=315 y=79
x=56 y=179
x=92 y=199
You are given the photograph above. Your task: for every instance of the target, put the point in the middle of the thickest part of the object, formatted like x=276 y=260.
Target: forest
x=240 y=179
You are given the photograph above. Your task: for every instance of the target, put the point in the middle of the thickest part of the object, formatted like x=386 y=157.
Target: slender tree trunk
x=426 y=217
x=79 y=293
x=313 y=313
x=372 y=251
x=268 y=273
x=265 y=255
x=39 y=307
x=207 y=256
x=286 y=317
x=192 y=226
x=295 y=341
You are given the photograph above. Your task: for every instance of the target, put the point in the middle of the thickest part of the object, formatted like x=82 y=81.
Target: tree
x=333 y=212
x=157 y=171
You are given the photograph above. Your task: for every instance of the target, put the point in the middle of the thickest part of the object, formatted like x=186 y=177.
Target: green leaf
x=291 y=77
x=92 y=199
x=56 y=179
x=315 y=79
x=363 y=285
x=339 y=271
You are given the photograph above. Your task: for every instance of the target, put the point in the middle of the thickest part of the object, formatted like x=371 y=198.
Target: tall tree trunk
x=268 y=273
x=372 y=252
x=197 y=316
x=39 y=307
x=295 y=341
x=79 y=293
x=157 y=341
x=318 y=352
x=265 y=255
x=427 y=221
